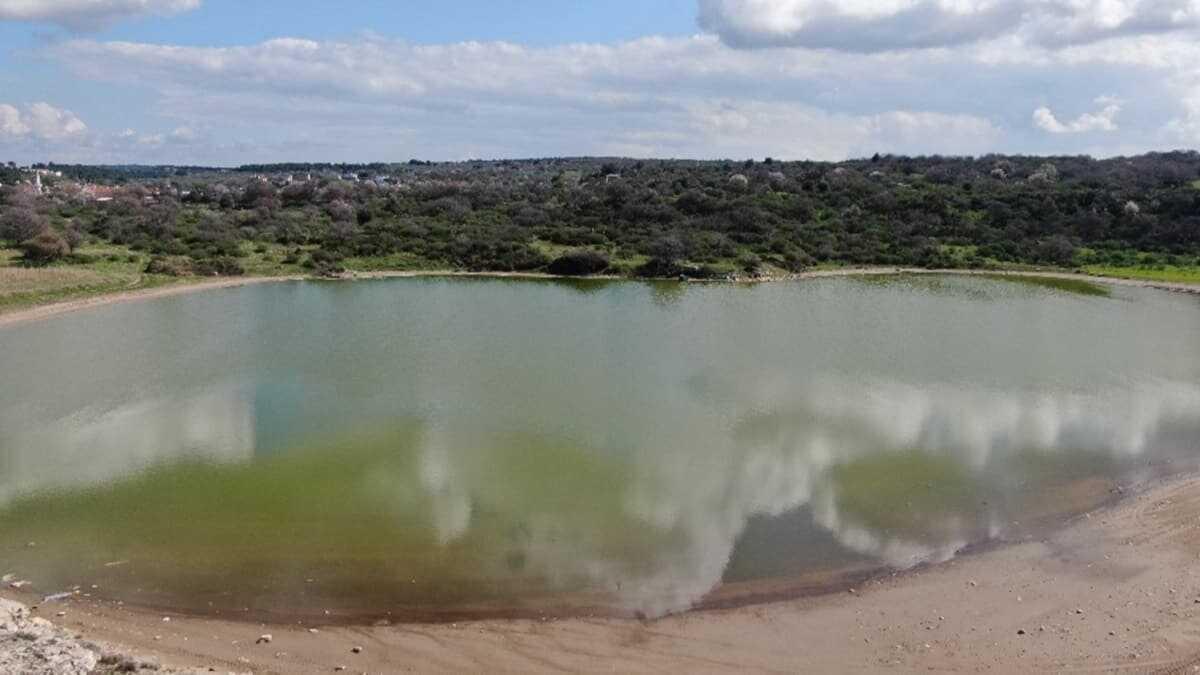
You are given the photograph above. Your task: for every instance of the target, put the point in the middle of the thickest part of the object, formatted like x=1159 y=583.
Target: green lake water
x=434 y=446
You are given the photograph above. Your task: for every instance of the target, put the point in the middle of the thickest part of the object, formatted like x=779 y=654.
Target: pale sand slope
x=55 y=309
x=1116 y=591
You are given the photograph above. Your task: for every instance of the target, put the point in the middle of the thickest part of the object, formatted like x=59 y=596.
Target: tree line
x=638 y=217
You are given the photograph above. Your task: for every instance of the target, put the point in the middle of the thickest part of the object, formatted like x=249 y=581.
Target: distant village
x=39 y=180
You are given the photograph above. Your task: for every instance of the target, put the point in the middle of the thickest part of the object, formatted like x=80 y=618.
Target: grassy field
x=115 y=269
x=1165 y=273
x=109 y=269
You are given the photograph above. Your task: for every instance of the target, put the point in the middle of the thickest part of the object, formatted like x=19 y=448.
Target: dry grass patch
x=22 y=280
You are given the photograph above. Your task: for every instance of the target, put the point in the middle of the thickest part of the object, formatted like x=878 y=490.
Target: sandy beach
x=1116 y=590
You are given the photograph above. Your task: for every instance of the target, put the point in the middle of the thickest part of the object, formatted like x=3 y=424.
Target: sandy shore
x=1117 y=590
x=58 y=308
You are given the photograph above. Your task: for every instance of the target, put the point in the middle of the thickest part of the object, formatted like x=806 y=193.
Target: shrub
x=168 y=266
x=45 y=247
x=21 y=224
x=322 y=258
x=579 y=263
x=222 y=266
x=749 y=263
x=659 y=268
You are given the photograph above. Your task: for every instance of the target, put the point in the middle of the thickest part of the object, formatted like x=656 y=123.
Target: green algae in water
x=905 y=494
x=1076 y=286
x=442 y=445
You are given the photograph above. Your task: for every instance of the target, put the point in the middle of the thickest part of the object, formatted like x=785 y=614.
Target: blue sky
x=223 y=82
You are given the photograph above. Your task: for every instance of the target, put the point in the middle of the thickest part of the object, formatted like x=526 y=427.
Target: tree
x=19 y=224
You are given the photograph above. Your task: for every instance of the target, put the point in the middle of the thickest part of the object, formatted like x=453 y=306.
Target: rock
x=33 y=645
x=1020 y=631
x=339 y=668
x=313 y=630
x=264 y=638
x=356 y=649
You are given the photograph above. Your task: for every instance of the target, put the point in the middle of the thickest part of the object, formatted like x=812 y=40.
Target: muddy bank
x=1117 y=590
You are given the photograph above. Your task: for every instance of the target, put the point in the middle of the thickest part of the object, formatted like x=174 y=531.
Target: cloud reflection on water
x=699 y=486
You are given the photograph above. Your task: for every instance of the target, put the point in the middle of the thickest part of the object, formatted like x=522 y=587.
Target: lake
x=443 y=447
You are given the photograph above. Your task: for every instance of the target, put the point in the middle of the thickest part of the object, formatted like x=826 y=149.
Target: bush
x=168 y=266
x=749 y=263
x=21 y=224
x=222 y=267
x=45 y=248
x=326 y=269
x=659 y=268
x=322 y=258
x=579 y=263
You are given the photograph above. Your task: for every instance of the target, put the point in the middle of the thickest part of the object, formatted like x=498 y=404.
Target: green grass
x=1077 y=286
x=110 y=269
x=1164 y=273
x=390 y=263
x=22 y=287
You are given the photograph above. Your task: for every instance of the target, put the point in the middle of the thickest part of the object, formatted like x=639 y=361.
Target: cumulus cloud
x=679 y=97
x=1103 y=120
x=878 y=25
x=664 y=97
x=40 y=121
x=82 y=15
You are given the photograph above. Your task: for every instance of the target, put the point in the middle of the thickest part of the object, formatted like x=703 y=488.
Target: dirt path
x=1115 y=591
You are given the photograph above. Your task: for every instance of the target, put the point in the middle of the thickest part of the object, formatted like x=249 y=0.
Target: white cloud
x=374 y=98
x=733 y=129
x=40 y=121
x=681 y=97
x=1103 y=120
x=879 y=25
x=83 y=15
x=11 y=121
x=1186 y=127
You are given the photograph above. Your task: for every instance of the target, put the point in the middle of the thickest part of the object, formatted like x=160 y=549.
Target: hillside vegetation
x=1137 y=216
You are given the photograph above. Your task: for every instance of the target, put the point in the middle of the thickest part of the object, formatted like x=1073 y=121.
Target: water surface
x=438 y=446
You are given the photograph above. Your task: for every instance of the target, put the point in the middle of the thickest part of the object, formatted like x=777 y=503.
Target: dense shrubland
x=645 y=217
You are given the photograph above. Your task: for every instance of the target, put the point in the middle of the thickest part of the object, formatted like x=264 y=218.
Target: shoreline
x=46 y=311
x=1115 y=589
